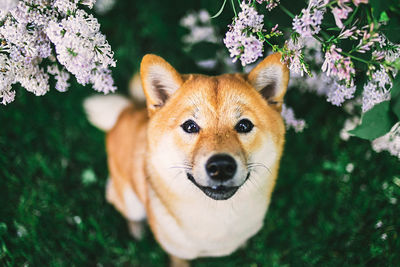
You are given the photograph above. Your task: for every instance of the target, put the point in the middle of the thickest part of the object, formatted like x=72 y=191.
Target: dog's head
x=213 y=133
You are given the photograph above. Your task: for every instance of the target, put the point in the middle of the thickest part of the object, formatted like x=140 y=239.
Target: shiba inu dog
x=200 y=163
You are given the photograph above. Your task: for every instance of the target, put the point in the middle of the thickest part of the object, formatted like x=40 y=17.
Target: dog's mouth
x=219 y=192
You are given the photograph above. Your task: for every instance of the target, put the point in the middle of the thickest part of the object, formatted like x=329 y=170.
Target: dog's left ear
x=159 y=79
x=271 y=77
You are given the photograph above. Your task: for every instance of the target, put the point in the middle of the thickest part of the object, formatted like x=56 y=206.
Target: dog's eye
x=190 y=126
x=244 y=126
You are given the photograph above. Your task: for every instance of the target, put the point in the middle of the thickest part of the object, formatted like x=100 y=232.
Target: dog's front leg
x=136 y=228
x=178 y=262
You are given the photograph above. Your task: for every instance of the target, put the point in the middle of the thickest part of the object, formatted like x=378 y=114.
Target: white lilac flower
x=290 y=120
x=270 y=3
x=104 y=6
x=6 y=6
x=308 y=23
x=200 y=28
x=350 y=167
x=338 y=95
x=27 y=33
x=376 y=90
x=6 y=80
x=88 y=3
x=204 y=16
x=65 y=6
x=189 y=20
x=317 y=83
x=102 y=81
x=32 y=78
x=240 y=39
x=80 y=47
x=207 y=64
x=312 y=50
x=391 y=55
x=200 y=34
x=294 y=56
x=349 y=124
x=61 y=77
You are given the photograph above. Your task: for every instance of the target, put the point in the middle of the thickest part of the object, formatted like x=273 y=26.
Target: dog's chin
x=220 y=192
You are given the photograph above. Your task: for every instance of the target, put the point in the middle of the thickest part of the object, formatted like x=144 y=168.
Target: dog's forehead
x=224 y=94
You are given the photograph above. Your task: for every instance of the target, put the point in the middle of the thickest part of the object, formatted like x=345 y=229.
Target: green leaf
x=384 y=17
x=395 y=95
x=375 y=122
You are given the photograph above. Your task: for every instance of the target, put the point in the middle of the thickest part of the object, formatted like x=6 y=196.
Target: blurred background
x=336 y=202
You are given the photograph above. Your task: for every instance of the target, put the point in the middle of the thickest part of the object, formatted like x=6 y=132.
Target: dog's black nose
x=221 y=167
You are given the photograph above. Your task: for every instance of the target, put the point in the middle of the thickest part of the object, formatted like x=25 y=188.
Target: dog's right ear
x=159 y=79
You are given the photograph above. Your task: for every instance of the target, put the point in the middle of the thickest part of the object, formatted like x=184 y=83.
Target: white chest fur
x=205 y=227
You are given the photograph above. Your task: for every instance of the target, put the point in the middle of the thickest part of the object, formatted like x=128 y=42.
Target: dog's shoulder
x=126 y=149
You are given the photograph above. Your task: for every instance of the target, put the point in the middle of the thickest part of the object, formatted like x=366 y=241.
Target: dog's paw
x=136 y=229
x=177 y=262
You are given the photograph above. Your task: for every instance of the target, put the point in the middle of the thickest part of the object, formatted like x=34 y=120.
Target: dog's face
x=215 y=133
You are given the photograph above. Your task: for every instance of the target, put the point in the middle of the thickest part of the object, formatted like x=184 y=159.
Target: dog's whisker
x=254 y=165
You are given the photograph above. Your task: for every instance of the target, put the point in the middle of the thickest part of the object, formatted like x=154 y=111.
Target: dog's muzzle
x=219 y=192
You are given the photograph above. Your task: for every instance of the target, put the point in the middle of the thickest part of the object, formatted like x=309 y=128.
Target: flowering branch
x=358 y=24
x=57 y=30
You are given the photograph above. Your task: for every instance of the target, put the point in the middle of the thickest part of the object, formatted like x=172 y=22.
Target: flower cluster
x=57 y=30
x=200 y=28
x=338 y=66
x=241 y=40
x=294 y=57
x=290 y=120
x=376 y=90
x=270 y=4
x=308 y=23
x=389 y=142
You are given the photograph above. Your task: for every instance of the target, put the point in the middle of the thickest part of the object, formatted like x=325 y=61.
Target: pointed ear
x=270 y=77
x=159 y=79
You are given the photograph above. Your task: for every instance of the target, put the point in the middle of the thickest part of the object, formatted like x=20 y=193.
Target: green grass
x=53 y=171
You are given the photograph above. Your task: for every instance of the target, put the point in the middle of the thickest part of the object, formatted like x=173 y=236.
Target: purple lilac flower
x=294 y=56
x=290 y=120
x=308 y=23
x=338 y=66
x=28 y=30
x=61 y=77
x=240 y=39
x=376 y=90
x=270 y=3
x=340 y=14
x=339 y=94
